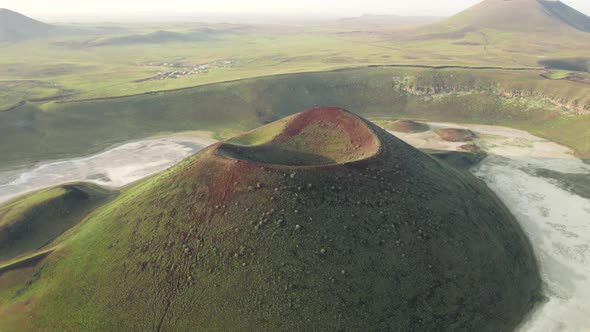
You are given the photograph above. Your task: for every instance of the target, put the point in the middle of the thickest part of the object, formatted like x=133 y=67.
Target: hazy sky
x=70 y=8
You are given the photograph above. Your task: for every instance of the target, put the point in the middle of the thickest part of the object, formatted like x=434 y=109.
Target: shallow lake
x=547 y=189
x=114 y=168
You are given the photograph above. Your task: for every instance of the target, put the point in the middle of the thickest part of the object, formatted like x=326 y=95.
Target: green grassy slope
x=13 y=93
x=398 y=241
x=31 y=222
x=31 y=134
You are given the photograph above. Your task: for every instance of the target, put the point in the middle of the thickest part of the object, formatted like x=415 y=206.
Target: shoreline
x=115 y=167
x=552 y=215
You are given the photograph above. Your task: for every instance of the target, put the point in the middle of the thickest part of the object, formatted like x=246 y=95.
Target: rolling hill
x=157 y=37
x=15 y=27
x=319 y=221
x=518 y=16
x=31 y=222
x=376 y=23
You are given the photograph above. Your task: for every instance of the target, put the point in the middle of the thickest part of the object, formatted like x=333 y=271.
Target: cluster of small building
x=182 y=70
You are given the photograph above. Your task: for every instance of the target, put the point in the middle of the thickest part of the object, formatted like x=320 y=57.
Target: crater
x=319 y=136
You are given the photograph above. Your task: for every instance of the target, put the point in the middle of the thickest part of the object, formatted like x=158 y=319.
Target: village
x=179 y=70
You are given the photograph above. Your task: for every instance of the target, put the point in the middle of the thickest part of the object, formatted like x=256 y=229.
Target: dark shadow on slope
x=31 y=222
x=574 y=64
x=567 y=14
x=270 y=154
x=458 y=159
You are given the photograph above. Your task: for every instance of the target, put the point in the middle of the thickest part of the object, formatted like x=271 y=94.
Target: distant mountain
x=386 y=22
x=568 y=14
x=16 y=27
x=520 y=16
x=157 y=37
x=376 y=26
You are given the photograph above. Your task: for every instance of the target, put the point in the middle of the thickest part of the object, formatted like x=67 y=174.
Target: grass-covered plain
x=556 y=74
x=119 y=59
x=13 y=93
x=523 y=99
